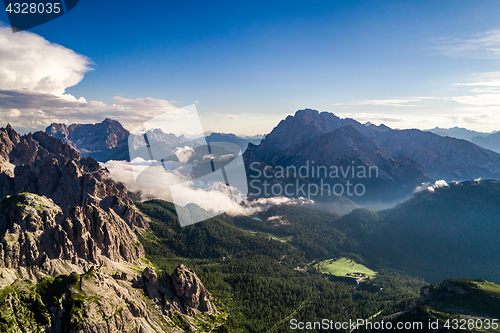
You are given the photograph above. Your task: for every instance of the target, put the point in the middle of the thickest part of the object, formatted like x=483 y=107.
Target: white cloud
x=484 y=92
x=29 y=62
x=211 y=198
x=491 y=79
x=256 y=206
x=405 y=102
x=184 y=153
x=34 y=75
x=62 y=109
x=433 y=187
x=482 y=45
x=475 y=119
x=476 y=102
x=14 y=113
x=157 y=106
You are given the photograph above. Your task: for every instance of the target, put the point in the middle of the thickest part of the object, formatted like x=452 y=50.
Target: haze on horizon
x=248 y=66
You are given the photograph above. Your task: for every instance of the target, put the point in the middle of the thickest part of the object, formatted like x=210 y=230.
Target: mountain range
x=491 y=142
x=242 y=142
x=108 y=140
x=78 y=255
x=401 y=159
x=404 y=158
x=458 y=133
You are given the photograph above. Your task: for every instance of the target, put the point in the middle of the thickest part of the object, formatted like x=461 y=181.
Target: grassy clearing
x=276 y=236
x=343 y=266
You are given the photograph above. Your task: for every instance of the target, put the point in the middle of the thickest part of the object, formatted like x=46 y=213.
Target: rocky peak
x=59 y=131
x=41 y=164
x=102 y=141
x=188 y=287
x=302 y=128
x=323 y=139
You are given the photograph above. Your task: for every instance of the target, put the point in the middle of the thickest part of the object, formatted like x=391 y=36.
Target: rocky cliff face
x=70 y=260
x=38 y=238
x=302 y=128
x=97 y=301
x=38 y=163
x=191 y=291
x=103 y=141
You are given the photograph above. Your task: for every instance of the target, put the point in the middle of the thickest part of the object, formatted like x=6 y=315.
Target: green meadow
x=343 y=266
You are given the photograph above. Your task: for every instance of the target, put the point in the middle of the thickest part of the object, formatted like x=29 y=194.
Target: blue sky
x=249 y=64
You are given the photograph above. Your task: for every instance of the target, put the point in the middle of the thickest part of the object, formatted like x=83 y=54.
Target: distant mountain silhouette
x=457 y=132
x=491 y=142
x=242 y=142
x=442 y=157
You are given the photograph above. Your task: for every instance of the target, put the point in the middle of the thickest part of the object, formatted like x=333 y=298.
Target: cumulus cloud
x=31 y=63
x=431 y=187
x=32 y=111
x=34 y=74
x=184 y=153
x=252 y=207
x=227 y=156
x=121 y=171
x=213 y=197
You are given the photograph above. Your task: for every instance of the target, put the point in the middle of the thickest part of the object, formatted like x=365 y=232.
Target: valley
x=249 y=272
x=249 y=166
